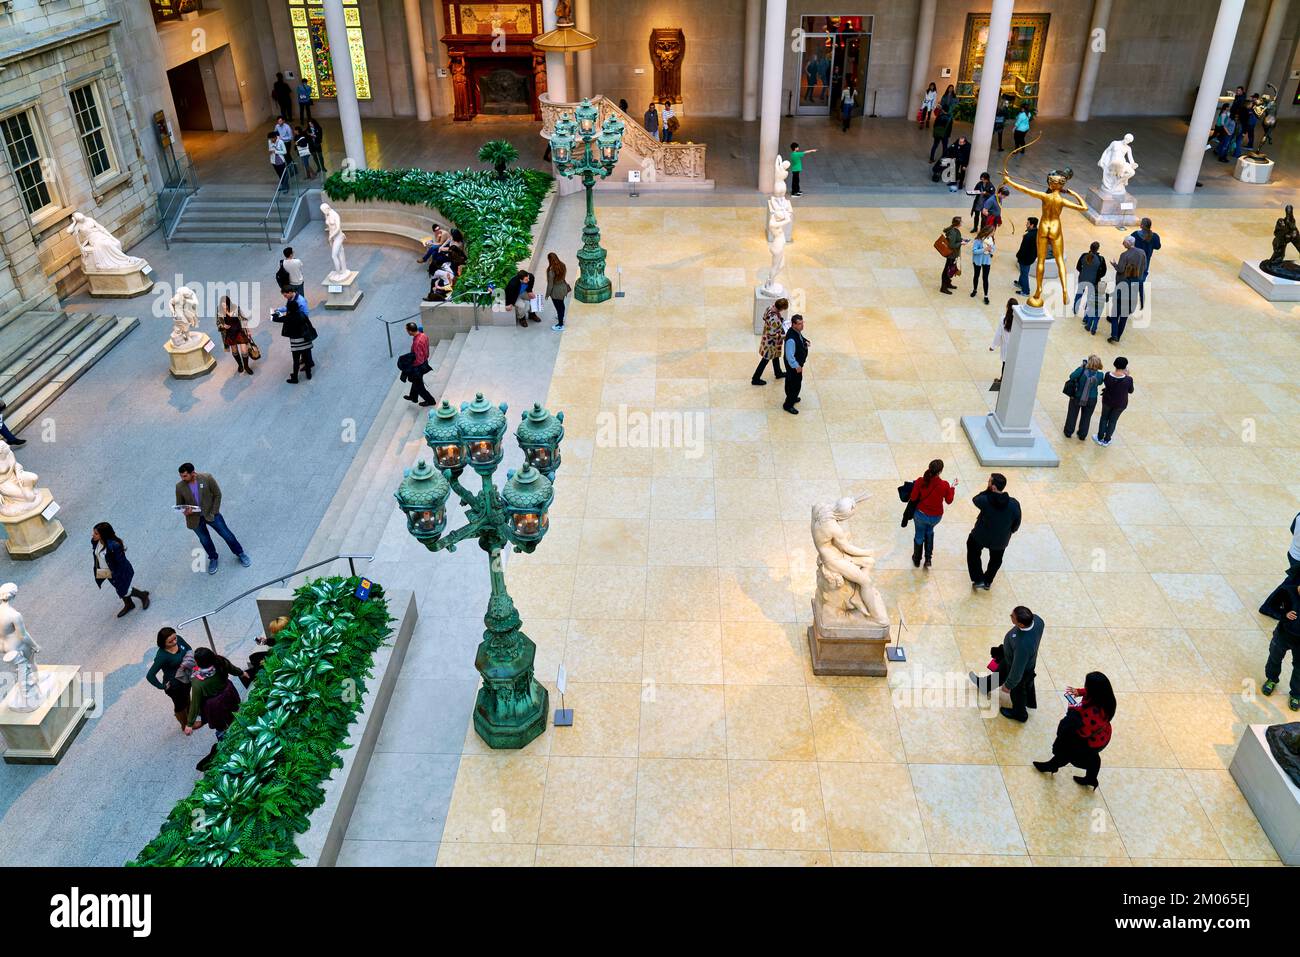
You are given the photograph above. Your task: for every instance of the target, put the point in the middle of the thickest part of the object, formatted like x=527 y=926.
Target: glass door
x=835 y=52
x=815 y=70
x=849 y=65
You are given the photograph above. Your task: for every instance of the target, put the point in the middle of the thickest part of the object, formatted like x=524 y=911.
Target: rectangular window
x=23 y=146
x=90 y=127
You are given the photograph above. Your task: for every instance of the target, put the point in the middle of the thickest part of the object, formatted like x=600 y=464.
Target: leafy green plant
x=500 y=153
x=270 y=769
x=495 y=215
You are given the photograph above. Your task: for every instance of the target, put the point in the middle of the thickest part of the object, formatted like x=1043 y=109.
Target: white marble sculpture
x=334 y=236
x=100 y=250
x=1117 y=165
x=19 y=653
x=17 y=485
x=779 y=216
x=185 y=316
x=648 y=172
x=778 y=204
x=843 y=569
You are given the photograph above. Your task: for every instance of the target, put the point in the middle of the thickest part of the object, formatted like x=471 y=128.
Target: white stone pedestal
x=342 y=293
x=192 y=359
x=1007 y=436
x=119 y=283
x=763 y=299
x=1270 y=793
x=1272 y=288
x=31 y=535
x=1111 y=209
x=846 y=645
x=43 y=735
x=1253 y=171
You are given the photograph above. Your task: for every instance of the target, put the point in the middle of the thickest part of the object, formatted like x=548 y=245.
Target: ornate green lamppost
x=511 y=707
x=574 y=130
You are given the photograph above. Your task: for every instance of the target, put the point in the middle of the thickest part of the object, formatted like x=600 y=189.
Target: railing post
x=352 y=567
x=208 y=630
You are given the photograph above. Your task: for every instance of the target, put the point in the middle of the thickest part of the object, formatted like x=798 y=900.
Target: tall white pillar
x=1096 y=45
x=769 y=126
x=921 y=55
x=749 y=89
x=557 y=81
x=1207 y=97
x=582 y=20
x=345 y=85
x=419 y=65
x=1267 y=45
x=995 y=55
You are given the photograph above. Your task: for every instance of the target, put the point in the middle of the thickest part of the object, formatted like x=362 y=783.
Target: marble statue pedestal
x=342 y=293
x=1258 y=172
x=31 y=534
x=192 y=359
x=1007 y=436
x=1272 y=288
x=1271 y=794
x=846 y=644
x=119 y=283
x=43 y=735
x=763 y=299
x=1111 y=209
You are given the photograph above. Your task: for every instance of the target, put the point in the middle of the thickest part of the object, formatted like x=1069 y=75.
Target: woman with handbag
x=1085 y=730
x=927 y=107
x=557 y=288
x=297 y=328
x=415 y=366
x=170 y=672
x=1091 y=269
x=1081 y=387
x=234 y=336
x=929 y=492
x=111 y=565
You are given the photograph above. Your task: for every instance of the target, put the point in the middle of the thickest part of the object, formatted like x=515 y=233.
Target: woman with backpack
x=111 y=565
x=1091 y=269
x=929 y=492
x=1081 y=387
x=213 y=698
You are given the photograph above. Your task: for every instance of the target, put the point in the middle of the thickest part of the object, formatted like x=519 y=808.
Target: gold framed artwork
x=488 y=19
x=1024 y=61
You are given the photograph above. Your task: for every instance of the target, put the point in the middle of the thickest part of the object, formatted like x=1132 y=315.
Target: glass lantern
x=423 y=497
x=586 y=115
x=443 y=438
x=609 y=145
x=561 y=147
x=481 y=426
x=539 y=436
x=527 y=496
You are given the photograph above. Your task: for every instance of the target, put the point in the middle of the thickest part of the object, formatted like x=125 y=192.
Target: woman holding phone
x=1085 y=730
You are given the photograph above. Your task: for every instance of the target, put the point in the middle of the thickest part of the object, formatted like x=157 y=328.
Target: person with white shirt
x=293 y=266
x=1001 y=339
x=285 y=132
x=1293 y=553
x=277 y=154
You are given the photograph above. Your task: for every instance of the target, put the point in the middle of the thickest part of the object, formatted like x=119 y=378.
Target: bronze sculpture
x=1285 y=234
x=1051 y=237
x=667 y=49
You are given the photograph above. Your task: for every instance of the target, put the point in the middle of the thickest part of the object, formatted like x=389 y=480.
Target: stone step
x=97 y=340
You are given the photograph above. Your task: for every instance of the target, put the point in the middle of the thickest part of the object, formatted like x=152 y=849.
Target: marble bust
x=1117 y=165
x=843 y=569
x=185 y=316
x=101 y=251
x=19 y=653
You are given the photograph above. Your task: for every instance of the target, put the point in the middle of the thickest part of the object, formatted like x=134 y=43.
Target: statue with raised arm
x=19 y=652
x=843 y=569
x=185 y=316
x=1117 y=165
x=1051 y=235
x=335 y=236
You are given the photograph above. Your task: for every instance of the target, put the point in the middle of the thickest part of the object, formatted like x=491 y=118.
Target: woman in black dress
x=234 y=334
x=111 y=565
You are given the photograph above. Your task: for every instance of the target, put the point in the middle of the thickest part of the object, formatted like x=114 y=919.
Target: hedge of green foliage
x=496 y=215
x=269 y=772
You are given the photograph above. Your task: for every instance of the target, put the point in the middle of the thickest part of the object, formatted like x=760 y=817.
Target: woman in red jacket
x=1084 y=732
x=929 y=492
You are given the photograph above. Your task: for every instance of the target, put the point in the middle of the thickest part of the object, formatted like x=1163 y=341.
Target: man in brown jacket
x=198 y=496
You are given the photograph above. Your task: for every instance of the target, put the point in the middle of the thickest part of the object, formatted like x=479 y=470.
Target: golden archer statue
x=1050 y=233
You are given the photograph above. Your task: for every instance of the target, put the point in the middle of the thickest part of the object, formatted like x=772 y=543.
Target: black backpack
x=282 y=275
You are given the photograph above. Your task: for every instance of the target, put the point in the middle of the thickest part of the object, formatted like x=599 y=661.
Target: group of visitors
x=1087 y=385
x=782 y=339
x=1131 y=272
x=522 y=294
x=942 y=111
x=1241 y=118
x=446 y=257
x=287 y=146
x=661 y=121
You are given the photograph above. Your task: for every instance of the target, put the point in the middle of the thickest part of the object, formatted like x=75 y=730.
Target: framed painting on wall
x=1024 y=61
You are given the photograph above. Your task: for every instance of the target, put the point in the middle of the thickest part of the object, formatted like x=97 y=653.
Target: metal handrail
x=388 y=327
x=256 y=588
x=452 y=301
x=290 y=172
x=188 y=178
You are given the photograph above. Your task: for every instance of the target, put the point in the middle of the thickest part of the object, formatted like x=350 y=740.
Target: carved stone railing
x=671 y=160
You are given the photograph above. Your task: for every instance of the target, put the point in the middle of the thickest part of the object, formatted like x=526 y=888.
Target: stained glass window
x=312 y=44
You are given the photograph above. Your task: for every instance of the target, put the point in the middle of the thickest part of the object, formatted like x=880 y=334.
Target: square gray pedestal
x=762 y=299
x=1036 y=450
x=1270 y=287
x=852 y=647
x=1108 y=209
x=1270 y=793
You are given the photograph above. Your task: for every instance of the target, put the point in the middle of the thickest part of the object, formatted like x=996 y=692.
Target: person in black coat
x=1027 y=254
x=1284 y=605
x=998 y=520
x=111 y=565
x=514 y=285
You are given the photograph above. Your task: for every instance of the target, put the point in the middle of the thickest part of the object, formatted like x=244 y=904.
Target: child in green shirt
x=796 y=167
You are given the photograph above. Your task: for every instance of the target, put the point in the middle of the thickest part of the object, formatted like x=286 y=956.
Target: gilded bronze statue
x=1051 y=236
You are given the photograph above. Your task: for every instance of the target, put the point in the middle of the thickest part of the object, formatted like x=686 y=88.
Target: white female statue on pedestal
x=779 y=215
x=100 y=249
x=1117 y=166
x=19 y=653
x=843 y=569
x=17 y=485
x=779 y=202
x=334 y=236
x=185 y=316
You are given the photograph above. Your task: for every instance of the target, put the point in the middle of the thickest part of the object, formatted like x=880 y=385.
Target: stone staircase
x=42 y=353
x=363 y=504
x=226 y=214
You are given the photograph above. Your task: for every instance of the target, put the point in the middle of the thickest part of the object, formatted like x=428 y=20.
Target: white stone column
x=344 y=83
x=557 y=81
x=1096 y=45
x=1207 y=97
x=1267 y=45
x=749 y=89
x=769 y=128
x=921 y=55
x=582 y=20
x=986 y=108
x=419 y=65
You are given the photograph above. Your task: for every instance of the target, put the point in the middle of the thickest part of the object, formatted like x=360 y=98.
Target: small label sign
x=634 y=176
x=209 y=346
x=146 y=269
x=333 y=288
x=50 y=511
x=1126 y=205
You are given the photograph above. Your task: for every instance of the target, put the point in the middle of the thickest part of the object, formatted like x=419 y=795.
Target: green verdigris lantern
x=527 y=496
x=481 y=426
x=587 y=152
x=539 y=435
x=443 y=437
x=423 y=497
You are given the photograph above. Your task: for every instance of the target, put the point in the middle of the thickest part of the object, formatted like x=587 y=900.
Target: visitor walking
x=668 y=116
x=929 y=492
x=285 y=132
x=1002 y=339
x=848 y=100
x=282 y=96
x=112 y=565
x=1082 y=387
x=1021 y=129
x=276 y=152
x=1116 y=389
x=796 y=354
x=651 y=120
x=948 y=102
x=998 y=520
x=9 y=437
x=1085 y=730
x=1129 y=271
x=295 y=325
x=1148 y=242
x=954 y=240
x=772 y=342
x=198 y=498
x=170 y=672
x=317 y=137
x=232 y=323
x=213 y=698
x=982 y=191
x=290 y=272
x=960 y=155
x=416 y=366
x=1000 y=120
x=1091 y=270
x=928 y=101
x=1230 y=138
x=1027 y=254
x=796 y=167
x=1285 y=604
x=302 y=146
x=981 y=257
x=940 y=132
x=304 y=101
x=1019 y=663
x=557 y=288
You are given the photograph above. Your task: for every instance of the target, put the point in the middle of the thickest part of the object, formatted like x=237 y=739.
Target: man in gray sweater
x=1019 y=661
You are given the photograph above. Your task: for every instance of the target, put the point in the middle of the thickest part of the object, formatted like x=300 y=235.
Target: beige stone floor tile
x=1073 y=652
x=683 y=652
x=796 y=498
x=1237 y=550
x=753 y=459
x=541 y=591
x=682 y=856
x=740 y=425
x=578 y=855
x=776 y=805
x=1203 y=505
x=981 y=860
x=1138 y=503
x=1169 y=549
x=855 y=723
x=1264 y=506
x=1162 y=659
x=550 y=635
x=755 y=594
x=682 y=542
x=804 y=461
x=1056 y=597
x=606 y=721
x=751 y=543
x=486 y=855
x=940 y=726
x=1235 y=658
x=965 y=810
x=1176 y=462
x=613 y=541
x=607 y=591
x=1058 y=817
x=860 y=859
x=682 y=803
x=1204 y=601
x=681 y=593
x=589 y=801
x=1127 y=600
x=914 y=595
x=681 y=393
x=1158 y=815
x=1234 y=822
x=1098 y=548
x=743 y=857
x=870 y=808
x=1048 y=861
x=1136 y=738
x=683 y=721
x=1018 y=744
x=602 y=649
x=617 y=496
x=768 y=723
x=763 y=653
x=1112 y=465
x=737 y=499
x=1204 y=729
x=497 y=799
